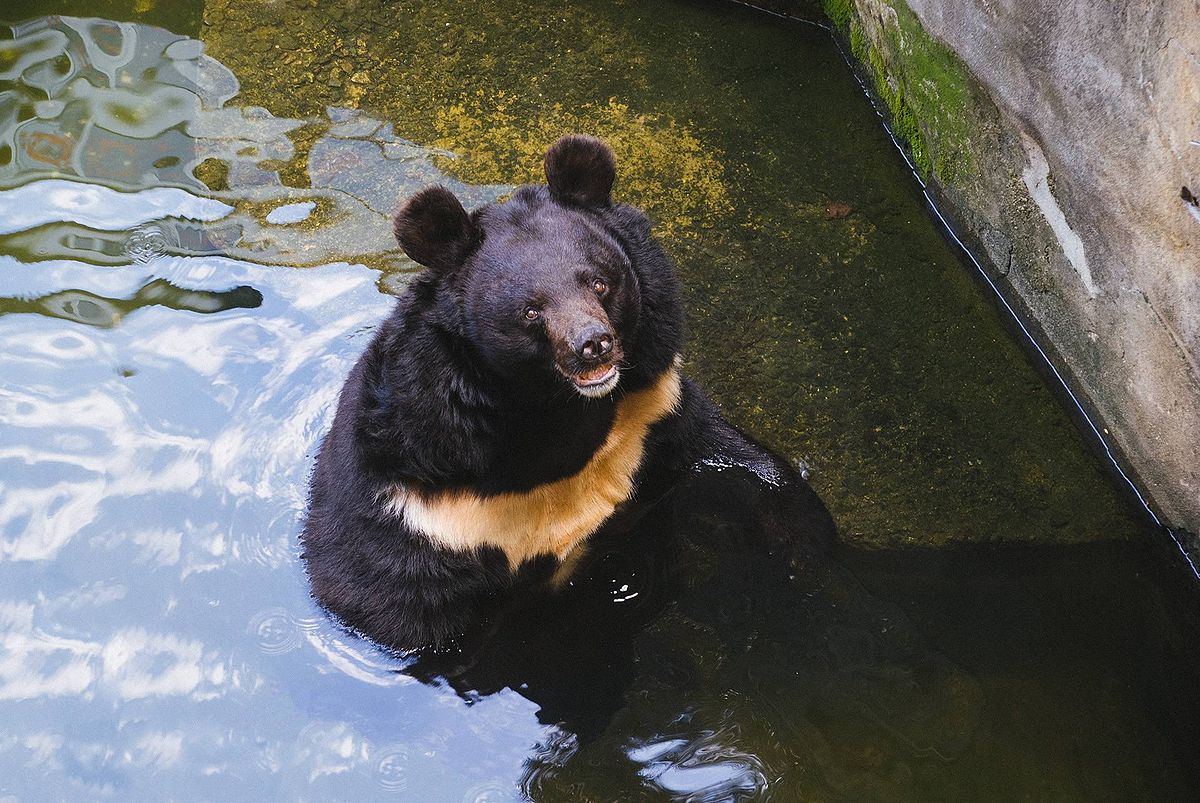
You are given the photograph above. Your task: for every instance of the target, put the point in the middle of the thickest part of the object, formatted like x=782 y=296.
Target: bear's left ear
x=434 y=229
x=581 y=170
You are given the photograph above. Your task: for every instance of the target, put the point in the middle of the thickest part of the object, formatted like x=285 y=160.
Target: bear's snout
x=588 y=353
x=593 y=343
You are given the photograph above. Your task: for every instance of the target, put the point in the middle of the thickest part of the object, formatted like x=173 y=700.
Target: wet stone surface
x=194 y=247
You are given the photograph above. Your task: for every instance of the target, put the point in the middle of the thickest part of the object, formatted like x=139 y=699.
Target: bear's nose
x=593 y=343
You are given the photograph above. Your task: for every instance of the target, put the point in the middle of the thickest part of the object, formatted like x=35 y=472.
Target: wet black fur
x=451 y=393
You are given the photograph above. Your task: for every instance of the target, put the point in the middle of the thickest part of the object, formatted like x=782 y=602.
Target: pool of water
x=194 y=247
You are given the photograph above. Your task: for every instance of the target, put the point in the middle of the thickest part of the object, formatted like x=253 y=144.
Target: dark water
x=194 y=247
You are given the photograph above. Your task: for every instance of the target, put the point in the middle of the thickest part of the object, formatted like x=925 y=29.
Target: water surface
x=194 y=247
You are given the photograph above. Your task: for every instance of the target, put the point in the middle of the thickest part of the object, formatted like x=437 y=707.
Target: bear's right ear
x=434 y=229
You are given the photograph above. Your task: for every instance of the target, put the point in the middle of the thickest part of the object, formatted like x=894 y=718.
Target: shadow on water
x=156 y=629
x=699 y=642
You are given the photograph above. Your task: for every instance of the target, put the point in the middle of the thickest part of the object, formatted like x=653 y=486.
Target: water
x=194 y=246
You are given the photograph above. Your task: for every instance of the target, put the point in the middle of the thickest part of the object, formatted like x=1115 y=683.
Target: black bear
x=524 y=395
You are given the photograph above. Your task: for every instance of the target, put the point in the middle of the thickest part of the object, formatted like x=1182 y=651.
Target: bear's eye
x=532 y=313
x=600 y=286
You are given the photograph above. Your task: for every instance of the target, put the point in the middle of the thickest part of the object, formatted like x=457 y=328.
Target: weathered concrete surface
x=1060 y=137
x=1105 y=101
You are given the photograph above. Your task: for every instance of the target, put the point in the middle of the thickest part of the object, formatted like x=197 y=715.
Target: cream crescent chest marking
x=552 y=518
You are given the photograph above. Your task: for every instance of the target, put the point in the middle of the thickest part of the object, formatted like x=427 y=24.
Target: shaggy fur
x=465 y=460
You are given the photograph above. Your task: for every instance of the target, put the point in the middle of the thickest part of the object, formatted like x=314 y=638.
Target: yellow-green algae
x=440 y=77
x=825 y=314
x=664 y=167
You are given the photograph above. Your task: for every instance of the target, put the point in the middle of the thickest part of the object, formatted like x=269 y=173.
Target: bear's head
x=556 y=284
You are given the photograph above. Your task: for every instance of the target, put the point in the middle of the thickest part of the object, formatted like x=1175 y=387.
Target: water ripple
x=146 y=243
x=492 y=792
x=391 y=763
x=275 y=631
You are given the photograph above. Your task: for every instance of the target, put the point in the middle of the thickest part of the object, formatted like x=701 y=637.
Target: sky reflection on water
x=154 y=474
x=157 y=631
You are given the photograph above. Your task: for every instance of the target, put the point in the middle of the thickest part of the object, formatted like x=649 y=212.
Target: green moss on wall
x=858 y=42
x=841 y=13
x=904 y=120
x=926 y=89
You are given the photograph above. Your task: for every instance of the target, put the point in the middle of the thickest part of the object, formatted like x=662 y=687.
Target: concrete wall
x=1060 y=136
x=1104 y=103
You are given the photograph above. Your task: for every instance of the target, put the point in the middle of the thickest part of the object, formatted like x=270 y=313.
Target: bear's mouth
x=597 y=381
